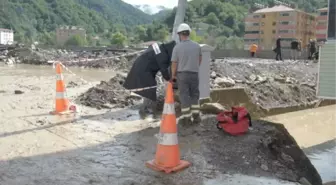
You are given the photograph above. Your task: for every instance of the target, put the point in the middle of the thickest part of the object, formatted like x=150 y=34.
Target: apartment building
x=264 y=26
x=6 y=36
x=322 y=25
x=65 y=32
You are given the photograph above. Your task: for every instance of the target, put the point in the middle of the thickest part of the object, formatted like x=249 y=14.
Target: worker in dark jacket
x=311 y=49
x=294 y=49
x=143 y=72
x=277 y=49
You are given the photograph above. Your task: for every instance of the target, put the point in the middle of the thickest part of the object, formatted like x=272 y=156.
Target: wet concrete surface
x=97 y=148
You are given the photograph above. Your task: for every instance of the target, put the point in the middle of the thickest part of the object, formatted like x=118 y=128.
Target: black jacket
x=145 y=68
x=278 y=43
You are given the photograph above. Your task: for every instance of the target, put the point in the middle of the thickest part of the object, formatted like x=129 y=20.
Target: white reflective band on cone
x=60 y=95
x=168 y=139
x=168 y=109
x=59 y=77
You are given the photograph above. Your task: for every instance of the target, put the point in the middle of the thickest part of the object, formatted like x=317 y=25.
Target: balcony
x=252 y=28
x=321 y=31
x=286 y=18
x=321 y=36
x=285 y=35
x=251 y=19
x=286 y=27
x=251 y=36
x=322 y=18
x=321 y=27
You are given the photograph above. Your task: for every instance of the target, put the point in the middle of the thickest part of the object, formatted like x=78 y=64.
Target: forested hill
x=218 y=22
x=29 y=18
x=226 y=17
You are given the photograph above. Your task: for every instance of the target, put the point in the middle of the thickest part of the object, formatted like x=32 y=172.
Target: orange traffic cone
x=62 y=103
x=167 y=158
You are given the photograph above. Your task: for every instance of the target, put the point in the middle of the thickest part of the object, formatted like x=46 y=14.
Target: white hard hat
x=183 y=27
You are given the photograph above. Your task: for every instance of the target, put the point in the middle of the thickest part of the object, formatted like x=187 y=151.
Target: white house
x=6 y=36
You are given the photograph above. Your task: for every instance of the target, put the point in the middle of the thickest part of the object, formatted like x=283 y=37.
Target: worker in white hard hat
x=186 y=59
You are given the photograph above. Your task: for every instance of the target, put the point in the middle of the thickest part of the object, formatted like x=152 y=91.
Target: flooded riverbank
x=101 y=147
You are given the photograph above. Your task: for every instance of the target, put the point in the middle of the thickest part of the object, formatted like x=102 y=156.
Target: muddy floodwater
x=94 y=147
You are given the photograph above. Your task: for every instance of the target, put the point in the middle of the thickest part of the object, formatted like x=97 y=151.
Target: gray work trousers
x=188 y=86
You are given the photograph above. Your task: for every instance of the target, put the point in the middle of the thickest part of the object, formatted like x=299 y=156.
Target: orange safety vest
x=253 y=48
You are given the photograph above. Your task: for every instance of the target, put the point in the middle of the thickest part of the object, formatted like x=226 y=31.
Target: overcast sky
x=166 y=3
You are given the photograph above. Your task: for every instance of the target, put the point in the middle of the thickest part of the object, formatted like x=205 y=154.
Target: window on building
x=324 y=13
x=273 y=31
x=283 y=31
x=262 y=24
x=256 y=16
x=251 y=32
x=331 y=20
x=322 y=23
x=262 y=32
x=263 y=15
x=284 y=22
x=255 y=24
x=284 y=14
x=274 y=23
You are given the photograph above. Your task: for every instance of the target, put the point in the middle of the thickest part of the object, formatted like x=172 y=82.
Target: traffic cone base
x=181 y=166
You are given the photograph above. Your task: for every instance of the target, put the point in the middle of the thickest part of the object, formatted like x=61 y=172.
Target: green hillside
x=221 y=22
x=218 y=22
x=33 y=18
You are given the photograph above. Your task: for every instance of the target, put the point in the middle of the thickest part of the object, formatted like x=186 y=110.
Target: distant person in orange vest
x=253 y=49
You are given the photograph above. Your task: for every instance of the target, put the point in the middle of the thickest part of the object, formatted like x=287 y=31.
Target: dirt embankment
x=268 y=83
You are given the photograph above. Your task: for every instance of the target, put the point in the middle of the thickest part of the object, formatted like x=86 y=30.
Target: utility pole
x=179 y=18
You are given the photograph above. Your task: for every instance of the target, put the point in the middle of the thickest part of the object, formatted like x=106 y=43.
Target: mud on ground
x=266 y=151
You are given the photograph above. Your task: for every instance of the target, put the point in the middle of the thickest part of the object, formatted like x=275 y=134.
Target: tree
x=212 y=19
x=195 y=37
x=161 y=34
x=76 y=40
x=118 y=39
x=140 y=33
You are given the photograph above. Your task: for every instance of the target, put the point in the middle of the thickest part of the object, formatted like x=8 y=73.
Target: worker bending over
x=186 y=59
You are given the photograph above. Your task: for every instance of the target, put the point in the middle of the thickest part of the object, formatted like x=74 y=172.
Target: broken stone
x=253 y=77
x=280 y=79
x=18 y=92
x=264 y=167
x=213 y=75
x=290 y=80
x=261 y=79
x=212 y=108
x=225 y=81
x=239 y=81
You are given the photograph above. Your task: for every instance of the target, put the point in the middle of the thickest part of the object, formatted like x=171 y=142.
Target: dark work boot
x=196 y=118
x=184 y=120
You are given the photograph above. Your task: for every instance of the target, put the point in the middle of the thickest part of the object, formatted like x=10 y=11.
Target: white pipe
x=179 y=17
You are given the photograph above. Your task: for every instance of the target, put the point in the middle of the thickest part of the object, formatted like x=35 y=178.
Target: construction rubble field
x=108 y=143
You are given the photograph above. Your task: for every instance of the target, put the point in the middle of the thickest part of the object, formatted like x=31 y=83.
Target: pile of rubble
x=108 y=95
x=102 y=58
x=268 y=83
